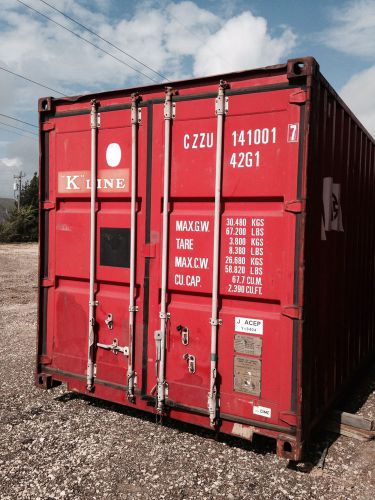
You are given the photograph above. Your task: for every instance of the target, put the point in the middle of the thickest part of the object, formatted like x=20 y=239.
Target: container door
x=258 y=246
x=71 y=160
x=192 y=175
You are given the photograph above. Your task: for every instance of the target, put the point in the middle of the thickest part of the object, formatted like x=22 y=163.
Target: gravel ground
x=55 y=444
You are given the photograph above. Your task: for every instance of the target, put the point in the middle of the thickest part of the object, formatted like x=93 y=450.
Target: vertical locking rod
x=135 y=119
x=92 y=302
x=214 y=321
x=168 y=117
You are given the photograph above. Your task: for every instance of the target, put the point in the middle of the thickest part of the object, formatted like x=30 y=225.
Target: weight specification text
x=244 y=255
x=188 y=266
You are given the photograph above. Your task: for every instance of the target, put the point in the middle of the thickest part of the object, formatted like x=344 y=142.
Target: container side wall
x=339 y=332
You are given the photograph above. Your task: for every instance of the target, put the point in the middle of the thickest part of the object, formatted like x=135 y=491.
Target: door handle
x=184 y=331
x=190 y=358
x=109 y=321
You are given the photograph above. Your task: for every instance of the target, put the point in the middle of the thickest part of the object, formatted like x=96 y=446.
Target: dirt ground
x=55 y=444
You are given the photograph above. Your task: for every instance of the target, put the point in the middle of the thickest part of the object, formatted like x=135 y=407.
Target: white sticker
x=248 y=325
x=262 y=411
x=113 y=154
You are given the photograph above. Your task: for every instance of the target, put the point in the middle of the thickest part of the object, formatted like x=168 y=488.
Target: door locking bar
x=169 y=114
x=221 y=110
x=135 y=120
x=114 y=347
x=90 y=376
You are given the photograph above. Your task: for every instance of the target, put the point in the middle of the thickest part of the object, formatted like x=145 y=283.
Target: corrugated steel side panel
x=339 y=334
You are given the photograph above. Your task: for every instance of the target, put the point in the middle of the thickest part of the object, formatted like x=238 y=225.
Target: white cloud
x=11 y=162
x=177 y=41
x=180 y=40
x=189 y=27
x=358 y=93
x=353 y=32
x=353 y=29
x=242 y=42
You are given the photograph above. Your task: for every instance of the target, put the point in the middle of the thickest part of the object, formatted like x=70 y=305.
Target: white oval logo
x=113 y=154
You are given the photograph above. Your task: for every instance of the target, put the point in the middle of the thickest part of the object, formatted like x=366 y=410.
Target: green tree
x=22 y=224
x=30 y=192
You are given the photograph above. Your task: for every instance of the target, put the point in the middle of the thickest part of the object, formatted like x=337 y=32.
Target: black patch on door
x=115 y=247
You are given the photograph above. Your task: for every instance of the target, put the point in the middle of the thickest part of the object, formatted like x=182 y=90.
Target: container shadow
x=320 y=442
x=260 y=444
x=351 y=401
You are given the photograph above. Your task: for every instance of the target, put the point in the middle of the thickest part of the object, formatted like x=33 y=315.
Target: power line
x=18 y=120
x=32 y=81
x=104 y=39
x=17 y=133
x=87 y=41
x=18 y=128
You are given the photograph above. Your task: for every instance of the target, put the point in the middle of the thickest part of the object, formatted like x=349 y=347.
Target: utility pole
x=18 y=187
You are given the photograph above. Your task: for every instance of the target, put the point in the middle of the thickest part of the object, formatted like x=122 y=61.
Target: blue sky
x=179 y=39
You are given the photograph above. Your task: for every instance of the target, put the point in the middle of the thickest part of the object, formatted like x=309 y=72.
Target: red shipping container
x=207 y=249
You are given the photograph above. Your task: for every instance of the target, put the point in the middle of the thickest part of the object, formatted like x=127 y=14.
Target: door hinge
x=293 y=312
x=47 y=205
x=289 y=418
x=295 y=206
x=46 y=126
x=44 y=360
x=299 y=97
x=47 y=282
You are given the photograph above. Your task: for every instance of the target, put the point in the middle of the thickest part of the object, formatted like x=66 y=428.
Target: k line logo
x=110 y=181
x=78 y=181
